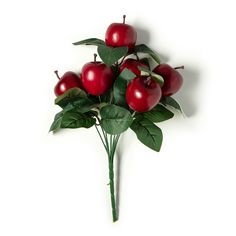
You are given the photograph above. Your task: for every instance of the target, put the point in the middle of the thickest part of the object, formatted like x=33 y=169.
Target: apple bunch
x=119 y=92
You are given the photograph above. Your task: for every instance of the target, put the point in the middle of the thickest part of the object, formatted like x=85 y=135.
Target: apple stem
x=179 y=67
x=56 y=72
x=95 y=56
x=124 y=19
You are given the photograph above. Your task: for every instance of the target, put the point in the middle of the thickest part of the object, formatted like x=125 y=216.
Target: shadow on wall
x=143 y=35
x=187 y=95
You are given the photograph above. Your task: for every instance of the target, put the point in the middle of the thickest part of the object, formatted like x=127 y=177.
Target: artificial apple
x=97 y=77
x=120 y=35
x=143 y=93
x=67 y=81
x=132 y=65
x=172 y=78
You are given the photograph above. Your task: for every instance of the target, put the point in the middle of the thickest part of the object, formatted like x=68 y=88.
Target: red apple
x=97 y=77
x=121 y=34
x=143 y=93
x=67 y=81
x=172 y=78
x=132 y=65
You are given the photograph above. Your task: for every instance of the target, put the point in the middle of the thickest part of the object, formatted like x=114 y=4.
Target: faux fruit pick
x=120 y=92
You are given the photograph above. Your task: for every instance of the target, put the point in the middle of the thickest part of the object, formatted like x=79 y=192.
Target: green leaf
x=142 y=48
x=69 y=96
x=147 y=72
x=90 y=41
x=73 y=119
x=158 y=114
x=120 y=85
x=93 y=98
x=169 y=101
x=75 y=98
x=119 y=90
x=115 y=119
x=107 y=97
x=145 y=61
x=102 y=104
x=148 y=133
x=91 y=113
x=127 y=75
x=110 y=55
x=80 y=104
x=56 y=124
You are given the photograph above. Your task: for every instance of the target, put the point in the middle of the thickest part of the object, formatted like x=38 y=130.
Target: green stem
x=133 y=114
x=99 y=98
x=111 y=97
x=104 y=144
x=106 y=140
x=110 y=146
x=112 y=191
x=113 y=142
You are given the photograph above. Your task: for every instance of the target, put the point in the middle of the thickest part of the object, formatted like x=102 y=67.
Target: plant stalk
x=112 y=191
x=110 y=144
x=113 y=143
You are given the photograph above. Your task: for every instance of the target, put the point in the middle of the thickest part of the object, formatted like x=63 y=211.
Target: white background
x=56 y=184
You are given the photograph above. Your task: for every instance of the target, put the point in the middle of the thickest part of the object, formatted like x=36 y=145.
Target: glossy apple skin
x=132 y=65
x=67 y=81
x=173 y=80
x=121 y=35
x=97 y=78
x=143 y=93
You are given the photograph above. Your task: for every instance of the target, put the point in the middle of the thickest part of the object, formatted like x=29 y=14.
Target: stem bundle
x=110 y=143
